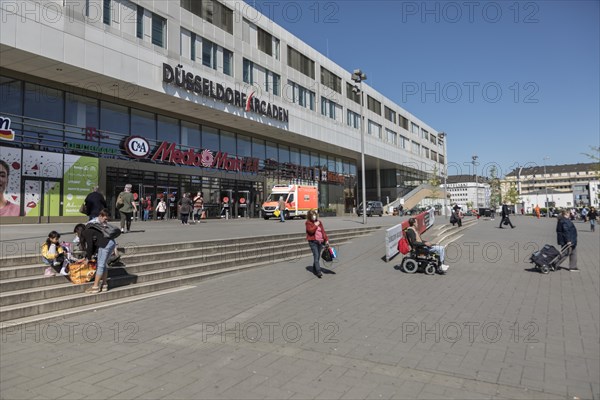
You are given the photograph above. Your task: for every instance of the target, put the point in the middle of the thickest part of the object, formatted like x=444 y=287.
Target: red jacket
x=311 y=229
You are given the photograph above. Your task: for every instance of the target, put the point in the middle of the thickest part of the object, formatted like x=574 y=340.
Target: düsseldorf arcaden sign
x=205 y=87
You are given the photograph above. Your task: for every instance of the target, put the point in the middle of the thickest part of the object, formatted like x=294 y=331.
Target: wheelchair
x=422 y=259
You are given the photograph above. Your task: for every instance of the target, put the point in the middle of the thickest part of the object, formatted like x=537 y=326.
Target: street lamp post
x=546 y=186
x=358 y=76
x=476 y=184
x=442 y=135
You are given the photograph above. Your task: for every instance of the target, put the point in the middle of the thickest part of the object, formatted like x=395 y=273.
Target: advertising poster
x=39 y=166
x=81 y=175
x=10 y=182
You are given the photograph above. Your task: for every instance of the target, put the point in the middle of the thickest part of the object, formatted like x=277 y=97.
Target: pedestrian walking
x=281 y=207
x=198 y=206
x=126 y=206
x=161 y=209
x=94 y=203
x=537 y=211
x=566 y=233
x=505 y=219
x=317 y=238
x=593 y=216
x=185 y=208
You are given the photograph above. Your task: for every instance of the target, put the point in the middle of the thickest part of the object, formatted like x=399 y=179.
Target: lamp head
x=359 y=76
x=442 y=135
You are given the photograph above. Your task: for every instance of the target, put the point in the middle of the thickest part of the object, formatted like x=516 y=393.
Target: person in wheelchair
x=421 y=248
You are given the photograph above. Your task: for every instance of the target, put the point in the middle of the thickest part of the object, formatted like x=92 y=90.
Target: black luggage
x=549 y=258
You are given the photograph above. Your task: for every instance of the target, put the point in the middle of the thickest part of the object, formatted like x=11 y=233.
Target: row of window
x=152 y=26
x=119 y=14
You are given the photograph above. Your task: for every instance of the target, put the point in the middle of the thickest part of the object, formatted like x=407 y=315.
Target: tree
x=434 y=181
x=495 y=190
x=469 y=205
x=512 y=195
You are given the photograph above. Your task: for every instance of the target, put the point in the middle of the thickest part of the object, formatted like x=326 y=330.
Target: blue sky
x=512 y=82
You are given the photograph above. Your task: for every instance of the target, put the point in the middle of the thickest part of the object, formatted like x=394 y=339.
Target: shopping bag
x=276 y=213
x=80 y=273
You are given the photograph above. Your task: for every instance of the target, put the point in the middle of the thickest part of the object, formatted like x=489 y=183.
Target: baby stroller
x=549 y=258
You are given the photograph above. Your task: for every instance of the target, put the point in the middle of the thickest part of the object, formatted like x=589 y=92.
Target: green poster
x=81 y=175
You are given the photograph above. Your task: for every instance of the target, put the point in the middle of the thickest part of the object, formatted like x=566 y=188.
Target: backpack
x=403 y=246
x=108 y=231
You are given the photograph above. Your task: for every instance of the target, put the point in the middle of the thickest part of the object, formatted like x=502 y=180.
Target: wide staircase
x=27 y=296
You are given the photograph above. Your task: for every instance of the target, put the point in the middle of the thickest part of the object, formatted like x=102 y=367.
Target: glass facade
x=51 y=120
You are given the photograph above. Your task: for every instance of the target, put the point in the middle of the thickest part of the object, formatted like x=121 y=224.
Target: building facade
x=464 y=190
x=578 y=181
x=185 y=96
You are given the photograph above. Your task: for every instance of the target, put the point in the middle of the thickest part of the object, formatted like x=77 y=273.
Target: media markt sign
x=139 y=148
x=205 y=87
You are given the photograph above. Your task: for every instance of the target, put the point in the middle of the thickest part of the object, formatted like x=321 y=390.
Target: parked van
x=298 y=200
x=373 y=208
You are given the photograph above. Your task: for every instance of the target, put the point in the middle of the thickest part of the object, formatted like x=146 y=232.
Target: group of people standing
x=126 y=204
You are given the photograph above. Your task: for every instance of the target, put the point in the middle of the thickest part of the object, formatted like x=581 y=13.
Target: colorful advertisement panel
x=81 y=175
x=33 y=181
x=10 y=182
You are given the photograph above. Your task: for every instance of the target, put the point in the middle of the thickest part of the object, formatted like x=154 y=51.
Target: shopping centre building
x=186 y=96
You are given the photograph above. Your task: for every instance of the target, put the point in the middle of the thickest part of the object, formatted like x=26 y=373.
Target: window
x=267 y=43
x=209 y=54
x=353 y=119
x=424 y=134
x=140 y=23
x=374 y=129
x=373 y=105
x=351 y=94
x=143 y=124
x=106 y=12
x=414 y=128
x=301 y=63
x=302 y=96
x=248 y=71
x=403 y=122
x=390 y=114
x=433 y=139
x=391 y=136
x=331 y=80
x=330 y=109
x=159 y=25
x=433 y=155
x=416 y=148
x=425 y=152
x=403 y=142
x=272 y=82
x=186 y=44
x=211 y=11
x=227 y=62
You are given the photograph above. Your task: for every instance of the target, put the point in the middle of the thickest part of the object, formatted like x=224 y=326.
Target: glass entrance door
x=42 y=198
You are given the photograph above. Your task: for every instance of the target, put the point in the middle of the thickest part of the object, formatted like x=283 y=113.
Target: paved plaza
x=490 y=328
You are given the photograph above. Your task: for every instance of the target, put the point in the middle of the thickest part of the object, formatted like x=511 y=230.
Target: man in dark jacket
x=505 y=220
x=566 y=233
x=94 y=203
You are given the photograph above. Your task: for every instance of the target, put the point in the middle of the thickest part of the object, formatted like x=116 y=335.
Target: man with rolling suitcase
x=566 y=233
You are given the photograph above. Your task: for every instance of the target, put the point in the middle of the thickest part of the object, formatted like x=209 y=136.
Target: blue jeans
x=146 y=214
x=281 y=216
x=440 y=250
x=316 y=248
x=103 y=255
x=593 y=224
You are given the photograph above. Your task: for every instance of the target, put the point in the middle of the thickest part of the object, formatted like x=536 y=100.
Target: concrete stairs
x=27 y=296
